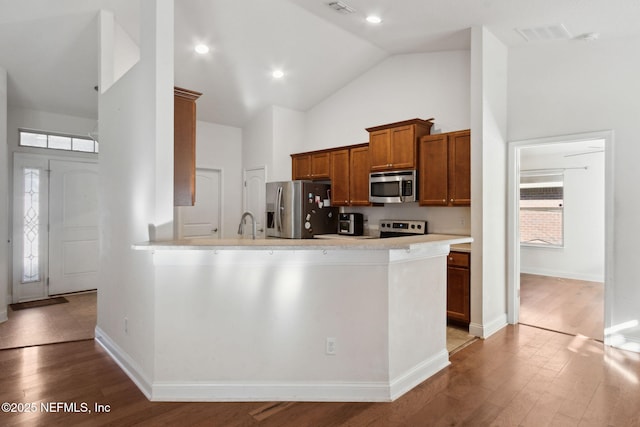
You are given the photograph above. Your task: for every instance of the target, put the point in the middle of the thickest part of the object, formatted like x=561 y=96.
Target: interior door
x=254 y=195
x=73 y=226
x=202 y=220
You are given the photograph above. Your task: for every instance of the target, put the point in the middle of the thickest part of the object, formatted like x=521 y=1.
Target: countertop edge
x=394 y=243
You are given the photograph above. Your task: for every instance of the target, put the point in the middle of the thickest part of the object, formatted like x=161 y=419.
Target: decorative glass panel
x=31 y=260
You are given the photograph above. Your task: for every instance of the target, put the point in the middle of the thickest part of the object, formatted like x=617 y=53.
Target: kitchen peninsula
x=308 y=319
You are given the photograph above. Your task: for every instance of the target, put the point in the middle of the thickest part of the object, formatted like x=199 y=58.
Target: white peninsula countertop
x=295 y=320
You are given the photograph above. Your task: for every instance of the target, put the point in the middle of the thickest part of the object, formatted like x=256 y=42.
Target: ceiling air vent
x=341 y=7
x=548 y=32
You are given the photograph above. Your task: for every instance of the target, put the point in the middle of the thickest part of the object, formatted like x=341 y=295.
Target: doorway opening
x=560 y=238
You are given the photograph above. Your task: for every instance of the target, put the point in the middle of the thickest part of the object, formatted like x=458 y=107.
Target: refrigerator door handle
x=279 y=209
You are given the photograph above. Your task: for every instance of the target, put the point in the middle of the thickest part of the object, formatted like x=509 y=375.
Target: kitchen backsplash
x=442 y=220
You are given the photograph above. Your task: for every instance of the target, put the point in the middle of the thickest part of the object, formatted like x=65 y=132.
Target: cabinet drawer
x=460 y=259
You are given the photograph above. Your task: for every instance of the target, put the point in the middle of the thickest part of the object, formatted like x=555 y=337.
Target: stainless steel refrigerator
x=299 y=210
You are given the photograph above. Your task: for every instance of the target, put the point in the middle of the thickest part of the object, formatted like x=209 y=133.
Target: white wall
x=399 y=88
x=270 y=139
x=488 y=182
x=136 y=189
x=288 y=136
x=575 y=87
x=4 y=199
x=582 y=256
x=257 y=142
x=118 y=51
x=220 y=147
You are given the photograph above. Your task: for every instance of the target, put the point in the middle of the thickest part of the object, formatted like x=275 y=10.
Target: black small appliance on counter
x=350 y=224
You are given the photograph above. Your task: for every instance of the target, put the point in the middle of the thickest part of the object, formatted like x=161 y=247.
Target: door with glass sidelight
x=55 y=217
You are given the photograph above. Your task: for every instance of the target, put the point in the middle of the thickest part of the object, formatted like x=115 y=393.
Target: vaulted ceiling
x=50 y=48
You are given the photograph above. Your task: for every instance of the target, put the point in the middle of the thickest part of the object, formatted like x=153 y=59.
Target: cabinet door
x=402 y=147
x=460 y=169
x=379 y=147
x=301 y=166
x=359 y=167
x=184 y=147
x=340 y=177
x=433 y=170
x=320 y=165
x=458 y=307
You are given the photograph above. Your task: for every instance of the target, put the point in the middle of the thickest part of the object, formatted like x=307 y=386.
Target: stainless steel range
x=399 y=228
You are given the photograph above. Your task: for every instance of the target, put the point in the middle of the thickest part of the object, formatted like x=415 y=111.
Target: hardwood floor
x=575 y=307
x=519 y=376
x=75 y=320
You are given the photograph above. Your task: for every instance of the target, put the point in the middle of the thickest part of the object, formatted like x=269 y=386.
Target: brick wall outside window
x=541 y=212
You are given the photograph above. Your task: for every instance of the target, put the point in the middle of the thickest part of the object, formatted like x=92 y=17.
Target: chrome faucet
x=253 y=224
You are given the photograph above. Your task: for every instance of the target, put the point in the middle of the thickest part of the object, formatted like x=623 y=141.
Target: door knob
x=215 y=230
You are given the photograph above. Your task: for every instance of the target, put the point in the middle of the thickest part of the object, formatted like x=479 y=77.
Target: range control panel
x=403 y=227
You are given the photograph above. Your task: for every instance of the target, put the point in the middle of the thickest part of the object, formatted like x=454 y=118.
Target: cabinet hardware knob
x=444 y=200
x=452 y=200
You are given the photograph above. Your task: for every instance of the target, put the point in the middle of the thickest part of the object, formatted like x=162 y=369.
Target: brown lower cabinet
x=458 y=287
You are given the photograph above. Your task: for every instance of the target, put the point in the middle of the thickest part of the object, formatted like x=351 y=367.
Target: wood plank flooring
x=75 y=320
x=520 y=376
x=571 y=306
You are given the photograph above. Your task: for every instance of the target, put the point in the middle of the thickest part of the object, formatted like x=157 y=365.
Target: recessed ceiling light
x=202 y=49
x=372 y=19
x=277 y=74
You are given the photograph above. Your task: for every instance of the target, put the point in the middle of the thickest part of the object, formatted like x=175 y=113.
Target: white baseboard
x=563 y=274
x=301 y=392
x=334 y=391
x=623 y=342
x=418 y=374
x=486 y=330
x=4 y=315
x=128 y=365
x=229 y=391
x=271 y=392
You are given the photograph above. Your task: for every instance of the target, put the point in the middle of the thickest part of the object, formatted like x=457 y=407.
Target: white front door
x=202 y=220
x=73 y=233
x=254 y=194
x=55 y=226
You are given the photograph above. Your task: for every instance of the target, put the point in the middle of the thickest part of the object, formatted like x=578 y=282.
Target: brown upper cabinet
x=340 y=175
x=311 y=165
x=394 y=146
x=347 y=168
x=359 y=167
x=350 y=176
x=445 y=169
x=184 y=146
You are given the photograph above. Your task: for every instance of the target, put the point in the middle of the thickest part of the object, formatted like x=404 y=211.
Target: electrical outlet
x=126 y=325
x=462 y=221
x=330 y=346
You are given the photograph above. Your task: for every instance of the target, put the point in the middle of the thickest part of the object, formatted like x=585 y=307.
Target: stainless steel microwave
x=393 y=187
